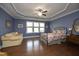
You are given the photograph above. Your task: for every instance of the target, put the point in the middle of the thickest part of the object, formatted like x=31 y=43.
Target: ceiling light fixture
x=40 y=12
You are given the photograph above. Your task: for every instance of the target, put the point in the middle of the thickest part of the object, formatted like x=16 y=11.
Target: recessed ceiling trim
x=65 y=14
x=21 y=14
x=52 y=18
x=6 y=10
x=61 y=10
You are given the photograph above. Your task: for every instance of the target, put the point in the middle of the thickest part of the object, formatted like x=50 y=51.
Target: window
x=29 y=27
x=29 y=30
x=36 y=24
x=29 y=24
x=42 y=24
x=36 y=30
x=42 y=27
x=34 y=27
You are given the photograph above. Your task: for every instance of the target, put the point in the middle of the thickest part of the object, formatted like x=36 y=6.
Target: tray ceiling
x=27 y=10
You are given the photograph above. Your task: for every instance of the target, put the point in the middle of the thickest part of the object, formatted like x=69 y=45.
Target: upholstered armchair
x=11 y=39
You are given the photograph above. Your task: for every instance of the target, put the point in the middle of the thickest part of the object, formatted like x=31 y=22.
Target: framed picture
x=76 y=25
x=20 y=25
x=8 y=23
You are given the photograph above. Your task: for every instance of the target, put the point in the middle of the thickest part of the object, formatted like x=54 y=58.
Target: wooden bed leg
x=47 y=42
x=47 y=39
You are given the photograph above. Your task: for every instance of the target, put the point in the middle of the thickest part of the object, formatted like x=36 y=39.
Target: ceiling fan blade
x=44 y=14
x=40 y=10
x=44 y=11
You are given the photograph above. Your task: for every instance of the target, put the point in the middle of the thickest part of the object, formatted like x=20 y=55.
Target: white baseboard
x=31 y=36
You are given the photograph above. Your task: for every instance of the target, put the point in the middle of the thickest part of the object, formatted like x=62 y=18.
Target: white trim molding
x=21 y=14
x=65 y=14
x=61 y=10
x=31 y=36
x=41 y=19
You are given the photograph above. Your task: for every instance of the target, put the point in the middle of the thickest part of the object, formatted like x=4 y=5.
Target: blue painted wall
x=23 y=30
x=3 y=17
x=66 y=21
x=47 y=27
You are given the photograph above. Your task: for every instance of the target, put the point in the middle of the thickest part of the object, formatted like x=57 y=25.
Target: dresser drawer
x=73 y=38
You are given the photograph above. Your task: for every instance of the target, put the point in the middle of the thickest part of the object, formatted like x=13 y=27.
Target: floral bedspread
x=55 y=36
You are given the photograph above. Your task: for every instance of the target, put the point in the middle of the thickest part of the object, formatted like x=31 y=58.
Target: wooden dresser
x=73 y=38
x=3 y=54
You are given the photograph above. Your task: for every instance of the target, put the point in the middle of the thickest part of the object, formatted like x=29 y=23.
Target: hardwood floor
x=33 y=47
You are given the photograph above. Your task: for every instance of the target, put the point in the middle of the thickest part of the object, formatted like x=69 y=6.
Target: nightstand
x=73 y=38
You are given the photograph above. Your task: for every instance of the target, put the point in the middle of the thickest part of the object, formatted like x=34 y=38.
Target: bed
x=57 y=36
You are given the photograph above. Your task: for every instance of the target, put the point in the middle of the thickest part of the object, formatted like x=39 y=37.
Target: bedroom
x=39 y=29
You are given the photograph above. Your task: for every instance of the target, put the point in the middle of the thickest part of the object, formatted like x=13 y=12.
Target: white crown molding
x=65 y=14
x=35 y=19
x=46 y=19
x=6 y=11
x=61 y=10
x=30 y=18
x=21 y=14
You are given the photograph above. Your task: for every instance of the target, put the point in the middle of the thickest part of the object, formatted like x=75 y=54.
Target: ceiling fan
x=41 y=12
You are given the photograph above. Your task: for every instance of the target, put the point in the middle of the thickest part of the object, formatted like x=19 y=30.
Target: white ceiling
x=27 y=10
